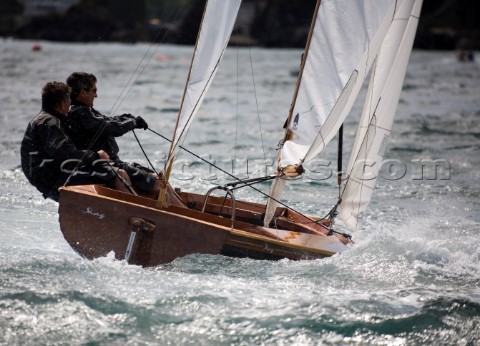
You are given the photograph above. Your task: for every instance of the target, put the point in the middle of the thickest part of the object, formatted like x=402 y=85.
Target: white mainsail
x=378 y=113
x=346 y=36
x=212 y=40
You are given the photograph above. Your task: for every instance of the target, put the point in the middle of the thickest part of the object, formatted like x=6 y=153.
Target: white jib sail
x=346 y=38
x=217 y=25
x=378 y=113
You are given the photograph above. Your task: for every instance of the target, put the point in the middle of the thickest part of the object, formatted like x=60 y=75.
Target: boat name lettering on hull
x=91 y=212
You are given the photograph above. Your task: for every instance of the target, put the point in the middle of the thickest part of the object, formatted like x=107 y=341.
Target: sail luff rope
x=365 y=137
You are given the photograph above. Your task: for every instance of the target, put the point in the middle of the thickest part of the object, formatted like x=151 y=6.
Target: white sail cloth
x=217 y=25
x=378 y=113
x=346 y=37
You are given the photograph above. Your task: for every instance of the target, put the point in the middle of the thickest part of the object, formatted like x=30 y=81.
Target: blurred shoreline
x=444 y=24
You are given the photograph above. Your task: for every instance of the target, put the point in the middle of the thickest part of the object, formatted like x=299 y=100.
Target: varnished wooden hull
x=96 y=221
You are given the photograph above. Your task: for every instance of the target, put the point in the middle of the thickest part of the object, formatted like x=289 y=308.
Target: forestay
x=378 y=113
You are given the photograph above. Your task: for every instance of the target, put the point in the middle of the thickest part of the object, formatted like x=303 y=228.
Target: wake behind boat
x=347 y=40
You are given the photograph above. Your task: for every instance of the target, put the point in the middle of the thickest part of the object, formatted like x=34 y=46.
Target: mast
x=302 y=68
x=340 y=156
x=278 y=185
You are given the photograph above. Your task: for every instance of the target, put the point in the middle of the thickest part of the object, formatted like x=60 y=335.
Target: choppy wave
x=214 y=300
x=412 y=277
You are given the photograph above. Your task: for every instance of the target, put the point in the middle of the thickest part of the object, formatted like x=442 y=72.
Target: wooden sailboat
x=96 y=220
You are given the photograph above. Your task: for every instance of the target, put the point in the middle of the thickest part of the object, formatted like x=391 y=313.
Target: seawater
x=412 y=277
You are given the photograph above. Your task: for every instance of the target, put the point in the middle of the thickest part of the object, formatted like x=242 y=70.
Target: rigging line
x=124 y=182
x=364 y=140
x=252 y=181
x=201 y=158
x=85 y=152
x=172 y=149
x=238 y=179
x=144 y=153
x=364 y=143
x=394 y=11
x=102 y=128
x=143 y=69
x=148 y=61
x=171 y=16
x=223 y=204
x=256 y=103
x=268 y=177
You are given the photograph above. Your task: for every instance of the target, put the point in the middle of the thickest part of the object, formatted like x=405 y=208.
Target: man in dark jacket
x=48 y=155
x=94 y=131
